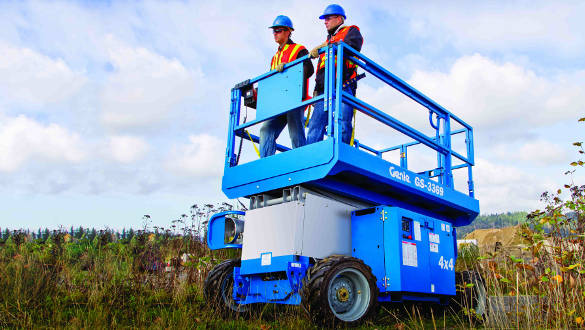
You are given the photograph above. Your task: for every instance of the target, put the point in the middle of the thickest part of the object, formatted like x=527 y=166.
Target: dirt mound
x=493 y=239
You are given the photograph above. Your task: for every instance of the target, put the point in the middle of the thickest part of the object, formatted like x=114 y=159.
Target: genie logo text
x=400 y=175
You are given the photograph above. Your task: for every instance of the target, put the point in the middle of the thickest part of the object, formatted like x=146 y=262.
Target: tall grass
x=104 y=283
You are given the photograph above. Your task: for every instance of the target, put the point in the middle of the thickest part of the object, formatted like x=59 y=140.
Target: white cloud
x=33 y=79
x=503 y=95
x=543 y=26
x=23 y=139
x=503 y=188
x=487 y=95
x=540 y=152
x=126 y=149
x=145 y=87
x=202 y=157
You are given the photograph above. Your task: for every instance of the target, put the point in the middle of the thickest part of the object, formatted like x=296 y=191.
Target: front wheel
x=339 y=289
x=218 y=288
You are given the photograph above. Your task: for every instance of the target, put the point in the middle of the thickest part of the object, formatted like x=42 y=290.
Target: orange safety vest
x=339 y=36
x=288 y=53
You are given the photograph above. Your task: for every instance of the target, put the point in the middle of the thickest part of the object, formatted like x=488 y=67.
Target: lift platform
x=358 y=171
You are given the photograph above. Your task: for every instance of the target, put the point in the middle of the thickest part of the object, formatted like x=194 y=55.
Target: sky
x=110 y=110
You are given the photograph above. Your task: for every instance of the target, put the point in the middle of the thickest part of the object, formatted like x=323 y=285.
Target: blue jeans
x=318 y=121
x=272 y=128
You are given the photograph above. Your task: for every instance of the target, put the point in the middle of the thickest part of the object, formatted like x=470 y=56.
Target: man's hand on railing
x=280 y=67
x=314 y=53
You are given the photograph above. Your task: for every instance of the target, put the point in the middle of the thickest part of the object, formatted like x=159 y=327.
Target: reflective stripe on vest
x=288 y=54
x=339 y=36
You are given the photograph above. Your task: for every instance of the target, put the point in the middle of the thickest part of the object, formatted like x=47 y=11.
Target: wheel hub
x=349 y=294
x=343 y=295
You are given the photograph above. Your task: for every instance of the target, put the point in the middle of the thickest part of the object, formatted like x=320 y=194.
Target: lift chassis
x=334 y=227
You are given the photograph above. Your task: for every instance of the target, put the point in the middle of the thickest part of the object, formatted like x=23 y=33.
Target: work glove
x=280 y=67
x=314 y=53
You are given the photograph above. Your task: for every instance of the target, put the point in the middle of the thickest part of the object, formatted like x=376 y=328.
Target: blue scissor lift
x=332 y=226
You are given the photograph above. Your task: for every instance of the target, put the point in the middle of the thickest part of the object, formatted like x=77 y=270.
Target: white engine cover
x=317 y=227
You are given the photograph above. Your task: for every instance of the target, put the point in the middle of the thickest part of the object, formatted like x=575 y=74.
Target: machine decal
x=266 y=259
x=434 y=238
x=434 y=247
x=409 y=257
x=446 y=264
x=400 y=175
x=429 y=185
x=417 y=230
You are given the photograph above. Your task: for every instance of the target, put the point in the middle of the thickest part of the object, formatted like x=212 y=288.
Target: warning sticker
x=434 y=238
x=434 y=247
x=409 y=257
x=417 y=230
x=266 y=259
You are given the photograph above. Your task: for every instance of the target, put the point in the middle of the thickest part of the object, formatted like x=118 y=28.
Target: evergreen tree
x=92 y=234
x=497 y=220
x=46 y=234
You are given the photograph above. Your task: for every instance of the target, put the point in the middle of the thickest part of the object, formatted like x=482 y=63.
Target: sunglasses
x=275 y=31
x=330 y=17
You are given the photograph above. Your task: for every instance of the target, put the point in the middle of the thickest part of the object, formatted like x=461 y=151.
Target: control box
x=408 y=252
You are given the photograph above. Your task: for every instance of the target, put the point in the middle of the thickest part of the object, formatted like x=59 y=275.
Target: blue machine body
x=279 y=283
x=408 y=239
x=216 y=229
x=409 y=253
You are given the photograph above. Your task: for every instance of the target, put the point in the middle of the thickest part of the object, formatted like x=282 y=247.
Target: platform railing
x=441 y=143
x=440 y=119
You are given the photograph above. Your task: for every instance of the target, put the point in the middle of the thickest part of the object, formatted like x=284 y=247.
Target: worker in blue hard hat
x=334 y=18
x=287 y=51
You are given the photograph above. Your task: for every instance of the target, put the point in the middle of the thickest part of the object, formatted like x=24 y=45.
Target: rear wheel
x=218 y=288
x=339 y=289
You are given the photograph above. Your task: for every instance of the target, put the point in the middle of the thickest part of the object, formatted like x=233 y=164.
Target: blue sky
x=113 y=110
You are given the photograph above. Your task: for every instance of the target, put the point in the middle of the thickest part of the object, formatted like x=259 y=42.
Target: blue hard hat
x=282 y=20
x=333 y=10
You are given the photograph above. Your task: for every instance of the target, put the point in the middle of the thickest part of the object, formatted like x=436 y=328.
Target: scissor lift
x=332 y=226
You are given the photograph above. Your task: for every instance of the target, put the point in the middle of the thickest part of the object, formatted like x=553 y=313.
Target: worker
x=334 y=17
x=287 y=51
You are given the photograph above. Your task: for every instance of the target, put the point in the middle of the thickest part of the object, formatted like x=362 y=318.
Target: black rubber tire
x=218 y=286
x=315 y=295
x=471 y=293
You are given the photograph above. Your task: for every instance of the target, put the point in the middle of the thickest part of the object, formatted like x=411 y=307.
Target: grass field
x=64 y=282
